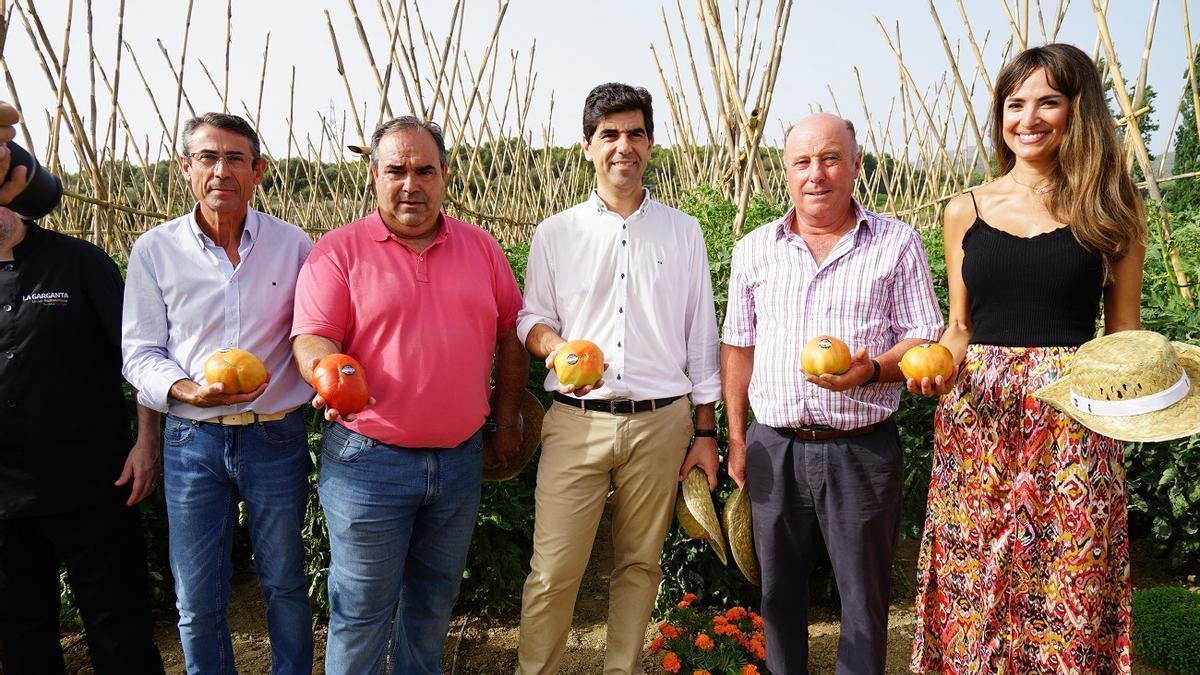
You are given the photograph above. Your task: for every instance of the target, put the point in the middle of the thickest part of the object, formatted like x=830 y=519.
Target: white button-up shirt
x=637 y=287
x=873 y=290
x=184 y=300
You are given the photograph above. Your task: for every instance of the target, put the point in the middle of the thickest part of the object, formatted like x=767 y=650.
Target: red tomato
x=339 y=379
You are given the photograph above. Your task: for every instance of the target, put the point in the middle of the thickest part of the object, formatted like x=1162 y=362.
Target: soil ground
x=477 y=648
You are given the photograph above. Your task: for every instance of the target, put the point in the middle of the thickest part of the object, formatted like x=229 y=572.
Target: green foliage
x=1163 y=479
x=1166 y=628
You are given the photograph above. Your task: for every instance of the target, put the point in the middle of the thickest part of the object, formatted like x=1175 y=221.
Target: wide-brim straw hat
x=530 y=425
x=1132 y=386
x=740 y=533
x=696 y=513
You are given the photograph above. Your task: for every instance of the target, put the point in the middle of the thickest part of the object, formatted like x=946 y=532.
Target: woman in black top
x=1024 y=563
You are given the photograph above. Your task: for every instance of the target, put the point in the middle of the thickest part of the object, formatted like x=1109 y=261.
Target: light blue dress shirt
x=184 y=300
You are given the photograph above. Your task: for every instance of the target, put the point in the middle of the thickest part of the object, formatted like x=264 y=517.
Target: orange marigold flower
x=657 y=644
x=736 y=614
x=701 y=672
x=720 y=620
x=756 y=620
x=671 y=662
x=681 y=604
x=668 y=630
x=759 y=652
x=689 y=597
x=704 y=642
x=749 y=669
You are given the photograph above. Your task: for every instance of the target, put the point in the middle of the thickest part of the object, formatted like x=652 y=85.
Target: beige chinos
x=583 y=453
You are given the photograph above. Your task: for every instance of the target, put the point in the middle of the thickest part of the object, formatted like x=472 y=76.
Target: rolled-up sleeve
x=739 y=310
x=703 y=362
x=144 y=334
x=915 y=311
x=540 y=304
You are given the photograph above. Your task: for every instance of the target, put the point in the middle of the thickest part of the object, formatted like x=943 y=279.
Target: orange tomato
x=339 y=379
x=825 y=354
x=928 y=360
x=239 y=370
x=580 y=363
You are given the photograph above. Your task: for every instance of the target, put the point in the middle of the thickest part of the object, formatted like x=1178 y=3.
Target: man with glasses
x=224 y=275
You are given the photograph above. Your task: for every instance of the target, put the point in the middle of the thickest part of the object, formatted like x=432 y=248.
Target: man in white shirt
x=224 y=275
x=630 y=275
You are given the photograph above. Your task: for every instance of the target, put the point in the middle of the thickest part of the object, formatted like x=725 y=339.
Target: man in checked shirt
x=822 y=459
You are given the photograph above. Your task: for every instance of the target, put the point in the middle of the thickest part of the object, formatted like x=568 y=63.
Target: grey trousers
x=847 y=492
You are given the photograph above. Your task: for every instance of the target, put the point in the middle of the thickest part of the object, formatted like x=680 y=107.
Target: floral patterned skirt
x=1024 y=563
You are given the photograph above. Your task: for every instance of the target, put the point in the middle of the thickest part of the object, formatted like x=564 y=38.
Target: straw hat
x=696 y=513
x=529 y=423
x=1132 y=386
x=738 y=529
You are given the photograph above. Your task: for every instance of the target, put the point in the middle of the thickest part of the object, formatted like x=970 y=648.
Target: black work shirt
x=64 y=430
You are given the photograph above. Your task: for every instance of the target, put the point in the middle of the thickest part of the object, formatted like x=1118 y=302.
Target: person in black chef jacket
x=69 y=475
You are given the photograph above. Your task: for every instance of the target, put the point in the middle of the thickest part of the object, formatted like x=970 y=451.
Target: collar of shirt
x=213 y=251
x=378 y=230
x=601 y=207
x=783 y=226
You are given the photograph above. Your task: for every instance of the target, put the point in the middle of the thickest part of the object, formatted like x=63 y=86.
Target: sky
x=578 y=45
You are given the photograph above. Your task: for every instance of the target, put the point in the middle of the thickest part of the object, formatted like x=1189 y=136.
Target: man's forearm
x=542 y=340
x=706 y=416
x=306 y=348
x=889 y=361
x=149 y=422
x=512 y=374
x=737 y=365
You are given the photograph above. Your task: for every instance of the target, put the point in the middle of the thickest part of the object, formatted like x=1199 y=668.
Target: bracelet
x=874 y=375
x=704 y=433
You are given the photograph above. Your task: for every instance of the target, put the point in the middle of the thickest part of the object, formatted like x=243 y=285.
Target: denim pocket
x=342 y=445
x=287 y=431
x=177 y=430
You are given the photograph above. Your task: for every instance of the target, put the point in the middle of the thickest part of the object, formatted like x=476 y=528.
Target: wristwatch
x=704 y=433
x=874 y=374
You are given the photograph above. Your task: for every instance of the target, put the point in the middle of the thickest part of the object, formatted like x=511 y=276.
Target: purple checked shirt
x=872 y=290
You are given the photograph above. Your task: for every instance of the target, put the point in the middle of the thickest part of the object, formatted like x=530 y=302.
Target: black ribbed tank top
x=1041 y=291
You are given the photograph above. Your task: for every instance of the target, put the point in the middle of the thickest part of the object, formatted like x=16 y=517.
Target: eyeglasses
x=233 y=160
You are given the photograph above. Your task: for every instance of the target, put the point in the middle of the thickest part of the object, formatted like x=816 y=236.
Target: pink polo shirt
x=423 y=325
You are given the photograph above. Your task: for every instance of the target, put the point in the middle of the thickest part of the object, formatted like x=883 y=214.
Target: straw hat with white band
x=1133 y=386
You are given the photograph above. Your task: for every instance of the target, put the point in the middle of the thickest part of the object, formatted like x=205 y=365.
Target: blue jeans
x=207 y=467
x=400 y=522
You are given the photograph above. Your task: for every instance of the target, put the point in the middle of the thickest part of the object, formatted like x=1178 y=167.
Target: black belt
x=821 y=432
x=615 y=406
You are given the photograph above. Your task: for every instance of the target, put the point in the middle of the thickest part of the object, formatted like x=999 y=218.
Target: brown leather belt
x=822 y=432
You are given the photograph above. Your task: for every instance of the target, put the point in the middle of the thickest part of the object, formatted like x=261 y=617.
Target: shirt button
x=620 y=310
x=622 y=275
x=618 y=344
x=622 y=242
x=8 y=308
x=618 y=377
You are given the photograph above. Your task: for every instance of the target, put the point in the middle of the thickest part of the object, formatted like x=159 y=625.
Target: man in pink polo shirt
x=423 y=301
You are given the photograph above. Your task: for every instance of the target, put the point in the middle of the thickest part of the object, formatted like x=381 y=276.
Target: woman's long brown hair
x=1093 y=192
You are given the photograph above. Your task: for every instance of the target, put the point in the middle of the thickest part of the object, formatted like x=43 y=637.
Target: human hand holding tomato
x=929 y=369
x=858 y=373
x=339 y=382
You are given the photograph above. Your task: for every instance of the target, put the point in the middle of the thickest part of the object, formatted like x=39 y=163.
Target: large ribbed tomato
x=825 y=354
x=580 y=363
x=339 y=379
x=239 y=370
x=928 y=360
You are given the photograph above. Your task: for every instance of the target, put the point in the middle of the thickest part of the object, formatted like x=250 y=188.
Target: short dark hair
x=408 y=122
x=224 y=121
x=615 y=97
